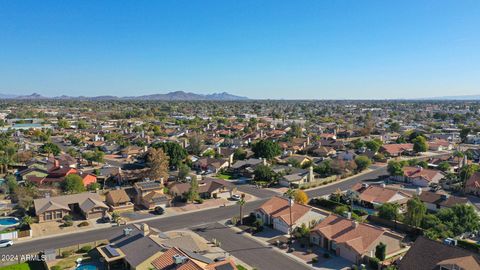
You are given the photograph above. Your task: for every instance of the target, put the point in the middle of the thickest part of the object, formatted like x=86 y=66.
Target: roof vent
x=179 y=259
x=127 y=231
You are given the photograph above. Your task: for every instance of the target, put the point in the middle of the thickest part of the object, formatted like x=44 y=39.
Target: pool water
x=8 y=221
x=86 y=267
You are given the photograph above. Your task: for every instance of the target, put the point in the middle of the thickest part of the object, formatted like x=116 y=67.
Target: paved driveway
x=248 y=250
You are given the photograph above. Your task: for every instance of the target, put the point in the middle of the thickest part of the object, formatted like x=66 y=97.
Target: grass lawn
x=34 y=265
x=224 y=176
x=20 y=266
x=241 y=267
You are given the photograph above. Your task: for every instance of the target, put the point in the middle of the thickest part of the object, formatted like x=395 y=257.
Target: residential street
x=248 y=250
x=186 y=220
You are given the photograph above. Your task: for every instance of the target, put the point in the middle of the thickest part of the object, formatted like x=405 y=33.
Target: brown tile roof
x=441 y=199
x=278 y=207
x=117 y=196
x=414 y=172
x=358 y=236
x=378 y=194
x=429 y=255
x=398 y=148
x=474 y=181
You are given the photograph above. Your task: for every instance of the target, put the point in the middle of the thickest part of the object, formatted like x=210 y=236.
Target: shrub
x=67 y=218
x=56 y=267
x=314 y=260
x=326 y=255
x=360 y=212
x=84 y=249
x=199 y=201
x=83 y=224
x=468 y=245
x=373 y=262
x=66 y=253
x=67 y=223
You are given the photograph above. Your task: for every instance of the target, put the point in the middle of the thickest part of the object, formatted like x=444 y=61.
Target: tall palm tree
x=241 y=203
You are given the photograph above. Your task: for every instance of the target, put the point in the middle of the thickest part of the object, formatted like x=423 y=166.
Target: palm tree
x=241 y=203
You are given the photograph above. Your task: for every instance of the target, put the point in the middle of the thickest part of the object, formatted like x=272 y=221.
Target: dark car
x=158 y=210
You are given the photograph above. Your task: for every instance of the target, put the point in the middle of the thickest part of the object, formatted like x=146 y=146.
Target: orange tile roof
x=278 y=207
x=166 y=261
x=377 y=194
x=414 y=172
x=358 y=236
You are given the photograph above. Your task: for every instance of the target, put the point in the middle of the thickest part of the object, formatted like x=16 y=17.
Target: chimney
x=144 y=229
x=311 y=176
x=355 y=224
x=383 y=185
x=219 y=150
x=56 y=163
x=308 y=140
x=264 y=161
x=419 y=191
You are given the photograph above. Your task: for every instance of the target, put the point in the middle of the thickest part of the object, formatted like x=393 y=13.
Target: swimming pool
x=8 y=221
x=86 y=267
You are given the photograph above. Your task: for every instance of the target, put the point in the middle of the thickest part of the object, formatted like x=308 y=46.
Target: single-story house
x=375 y=195
x=419 y=176
x=207 y=188
x=431 y=254
x=472 y=185
x=435 y=201
x=353 y=240
x=276 y=212
x=89 y=205
x=118 y=200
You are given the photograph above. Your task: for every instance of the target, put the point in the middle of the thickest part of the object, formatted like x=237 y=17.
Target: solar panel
x=112 y=251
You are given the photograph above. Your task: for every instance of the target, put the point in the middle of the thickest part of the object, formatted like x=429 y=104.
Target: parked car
x=158 y=210
x=6 y=243
x=235 y=197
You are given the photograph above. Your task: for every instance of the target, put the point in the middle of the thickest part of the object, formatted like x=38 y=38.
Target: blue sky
x=315 y=49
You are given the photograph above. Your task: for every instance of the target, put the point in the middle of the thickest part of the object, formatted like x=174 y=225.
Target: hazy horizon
x=261 y=50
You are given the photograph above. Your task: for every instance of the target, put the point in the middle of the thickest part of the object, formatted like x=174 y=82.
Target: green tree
x=174 y=151
x=82 y=124
x=264 y=173
x=415 y=212
x=444 y=166
x=73 y=184
x=373 y=145
x=50 y=148
x=389 y=211
x=464 y=133
x=395 y=168
x=362 y=162
x=93 y=186
x=266 y=149
x=183 y=171
x=394 y=127
x=62 y=123
x=192 y=193
x=239 y=154
x=420 y=144
x=381 y=251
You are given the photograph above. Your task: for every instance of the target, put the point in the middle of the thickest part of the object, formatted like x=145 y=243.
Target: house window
x=48 y=216
x=58 y=214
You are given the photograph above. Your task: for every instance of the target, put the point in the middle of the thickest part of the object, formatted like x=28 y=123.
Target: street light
x=290 y=204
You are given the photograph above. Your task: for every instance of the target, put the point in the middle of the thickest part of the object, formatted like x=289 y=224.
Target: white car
x=5 y=243
x=236 y=197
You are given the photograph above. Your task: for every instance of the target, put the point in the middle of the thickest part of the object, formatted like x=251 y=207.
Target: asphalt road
x=186 y=220
x=247 y=249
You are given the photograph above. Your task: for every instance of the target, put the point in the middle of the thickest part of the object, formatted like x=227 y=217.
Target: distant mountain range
x=177 y=95
x=464 y=97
